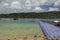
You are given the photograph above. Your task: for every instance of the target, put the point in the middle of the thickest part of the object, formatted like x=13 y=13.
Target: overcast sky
x=11 y=6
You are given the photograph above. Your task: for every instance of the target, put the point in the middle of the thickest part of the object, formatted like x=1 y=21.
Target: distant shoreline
x=41 y=15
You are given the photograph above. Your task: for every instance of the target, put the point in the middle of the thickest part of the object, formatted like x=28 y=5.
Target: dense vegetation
x=44 y=15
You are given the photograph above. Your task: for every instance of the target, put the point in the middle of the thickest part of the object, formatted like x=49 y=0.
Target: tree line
x=42 y=15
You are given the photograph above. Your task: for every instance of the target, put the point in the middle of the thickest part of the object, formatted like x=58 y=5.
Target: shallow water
x=19 y=28
x=22 y=28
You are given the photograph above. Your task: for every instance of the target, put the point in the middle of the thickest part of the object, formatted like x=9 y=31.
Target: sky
x=14 y=6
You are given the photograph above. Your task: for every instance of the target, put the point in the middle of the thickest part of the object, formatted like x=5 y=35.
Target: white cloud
x=5 y=4
x=36 y=5
x=15 y=5
x=46 y=2
x=35 y=2
x=53 y=9
x=38 y=8
x=28 y=4
x=57 y=3
x=42 y=2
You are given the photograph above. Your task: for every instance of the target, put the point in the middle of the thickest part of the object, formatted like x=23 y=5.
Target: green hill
x=42 y=15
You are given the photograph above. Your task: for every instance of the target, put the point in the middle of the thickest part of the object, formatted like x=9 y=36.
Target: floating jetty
x=52 y=32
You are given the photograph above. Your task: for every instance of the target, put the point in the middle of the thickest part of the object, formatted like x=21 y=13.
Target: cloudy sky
x=12 y=6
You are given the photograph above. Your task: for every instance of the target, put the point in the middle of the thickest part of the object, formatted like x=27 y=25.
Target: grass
x=12 y=29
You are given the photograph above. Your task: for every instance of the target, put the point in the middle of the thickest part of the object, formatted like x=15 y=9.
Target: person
x=15 y=18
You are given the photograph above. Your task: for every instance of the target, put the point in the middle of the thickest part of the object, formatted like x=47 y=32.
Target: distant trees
x=43 y=15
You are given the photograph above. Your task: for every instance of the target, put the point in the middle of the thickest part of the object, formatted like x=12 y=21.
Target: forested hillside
x=43 y=15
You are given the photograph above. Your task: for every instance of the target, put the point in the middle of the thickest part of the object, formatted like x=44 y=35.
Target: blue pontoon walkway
x=52 y=32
